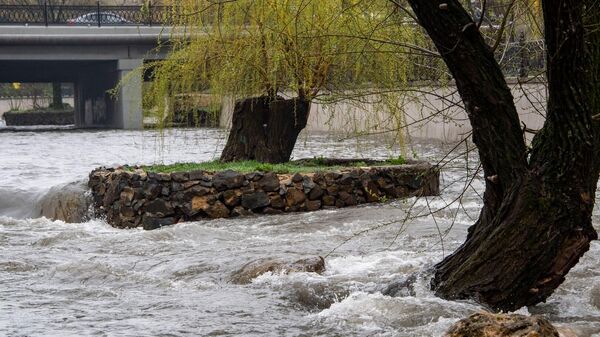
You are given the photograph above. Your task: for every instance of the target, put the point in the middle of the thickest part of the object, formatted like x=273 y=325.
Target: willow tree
x=276 y=57
x=536 y=218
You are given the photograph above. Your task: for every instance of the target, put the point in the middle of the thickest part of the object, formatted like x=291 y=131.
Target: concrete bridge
x=94 y=59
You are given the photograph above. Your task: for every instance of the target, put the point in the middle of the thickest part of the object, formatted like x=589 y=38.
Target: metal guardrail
x=95 y=15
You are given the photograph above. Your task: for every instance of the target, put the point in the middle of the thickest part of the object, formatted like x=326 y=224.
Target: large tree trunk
x=265 y=129
x=535 y=223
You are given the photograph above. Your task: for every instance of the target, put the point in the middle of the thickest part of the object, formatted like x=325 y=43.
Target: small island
x=155 y=196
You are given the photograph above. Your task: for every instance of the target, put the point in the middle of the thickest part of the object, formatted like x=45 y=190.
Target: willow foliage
x=364 y=51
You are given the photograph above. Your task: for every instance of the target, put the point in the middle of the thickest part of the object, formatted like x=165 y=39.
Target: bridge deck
x=39 y=35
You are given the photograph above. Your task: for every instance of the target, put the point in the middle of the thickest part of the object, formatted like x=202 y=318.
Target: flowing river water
x=89 y=279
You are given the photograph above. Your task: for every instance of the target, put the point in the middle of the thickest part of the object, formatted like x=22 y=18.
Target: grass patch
x=396 y=161
x=303 y=166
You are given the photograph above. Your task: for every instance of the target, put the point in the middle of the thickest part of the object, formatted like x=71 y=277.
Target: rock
x=67 y=203
x=151 y=222
x=127 y=196
x=329 y=200
x=402 y=287
x=307 y=184
x=138 y=204
x=231 y=198
x=256 y=268
x=228 y=180
x=159 y=207
x=317 y=296
x=347 y=198
x=124 y=198
x=371 y=191
x=190 y=183
x=240 y=211
x=269 y=182
x=151 y=191
x=159 y=176
x=332 y=190
x=294 y=197
x=253 y=176
x=206 y=183
x=255 y=200
x=176 y=187
x=318 y=178
x=296 y=178
x=201 y=202
x=313 y=205
x=383 y=184
x=180 y=177
x=198 y=175
x=331 y=176
x=128 y=212
x=272 y=211
x=113 y=192
x=346 y=179
x=316 y=193
x=502 y=325
x=217 y=210
x=282 y=190
x=196 y=191
x=277 y=201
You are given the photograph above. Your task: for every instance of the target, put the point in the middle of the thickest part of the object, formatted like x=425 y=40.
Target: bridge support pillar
x=98 y=106
x=128 y=109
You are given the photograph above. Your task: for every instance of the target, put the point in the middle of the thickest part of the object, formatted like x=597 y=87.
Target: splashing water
x=88 y=278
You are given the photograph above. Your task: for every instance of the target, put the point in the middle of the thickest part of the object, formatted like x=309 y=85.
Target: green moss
x=243 y=166
x=396 y=161
x=312 y=165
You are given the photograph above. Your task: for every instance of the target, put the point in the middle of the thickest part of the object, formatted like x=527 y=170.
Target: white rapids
x=89 y=279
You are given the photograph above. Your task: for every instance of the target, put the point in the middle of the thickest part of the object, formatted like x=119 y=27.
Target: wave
x=68 y=202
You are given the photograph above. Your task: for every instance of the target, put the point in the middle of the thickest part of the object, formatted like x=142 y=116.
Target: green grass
x=305 y=166
x=396 y=161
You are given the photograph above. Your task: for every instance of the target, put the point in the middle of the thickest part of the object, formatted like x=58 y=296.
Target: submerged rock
x=486 y=324
x=68 y=203
x=316 y=296
x=256 y=268
x=402 y=287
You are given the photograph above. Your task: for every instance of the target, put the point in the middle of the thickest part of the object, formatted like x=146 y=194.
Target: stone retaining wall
x=152 y=200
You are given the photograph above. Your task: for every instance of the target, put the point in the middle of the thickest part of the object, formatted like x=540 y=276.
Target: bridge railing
x=95 y=15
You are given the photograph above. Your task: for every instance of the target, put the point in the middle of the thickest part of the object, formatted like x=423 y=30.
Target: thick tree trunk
x=57 y=101
x=535 y=223
x=265 y=130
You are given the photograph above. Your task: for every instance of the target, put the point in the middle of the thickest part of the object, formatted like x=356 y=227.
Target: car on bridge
x=105 y=18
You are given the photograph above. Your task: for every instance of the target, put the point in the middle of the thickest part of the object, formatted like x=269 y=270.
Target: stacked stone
x=152 y=200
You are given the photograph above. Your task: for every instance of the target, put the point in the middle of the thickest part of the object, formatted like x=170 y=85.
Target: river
x=89 y=279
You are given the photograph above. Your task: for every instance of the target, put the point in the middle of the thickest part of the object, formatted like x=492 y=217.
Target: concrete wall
x=429 y=112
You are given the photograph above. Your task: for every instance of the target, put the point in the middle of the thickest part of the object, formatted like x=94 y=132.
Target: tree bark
x=265 y=129
x=535 y=223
